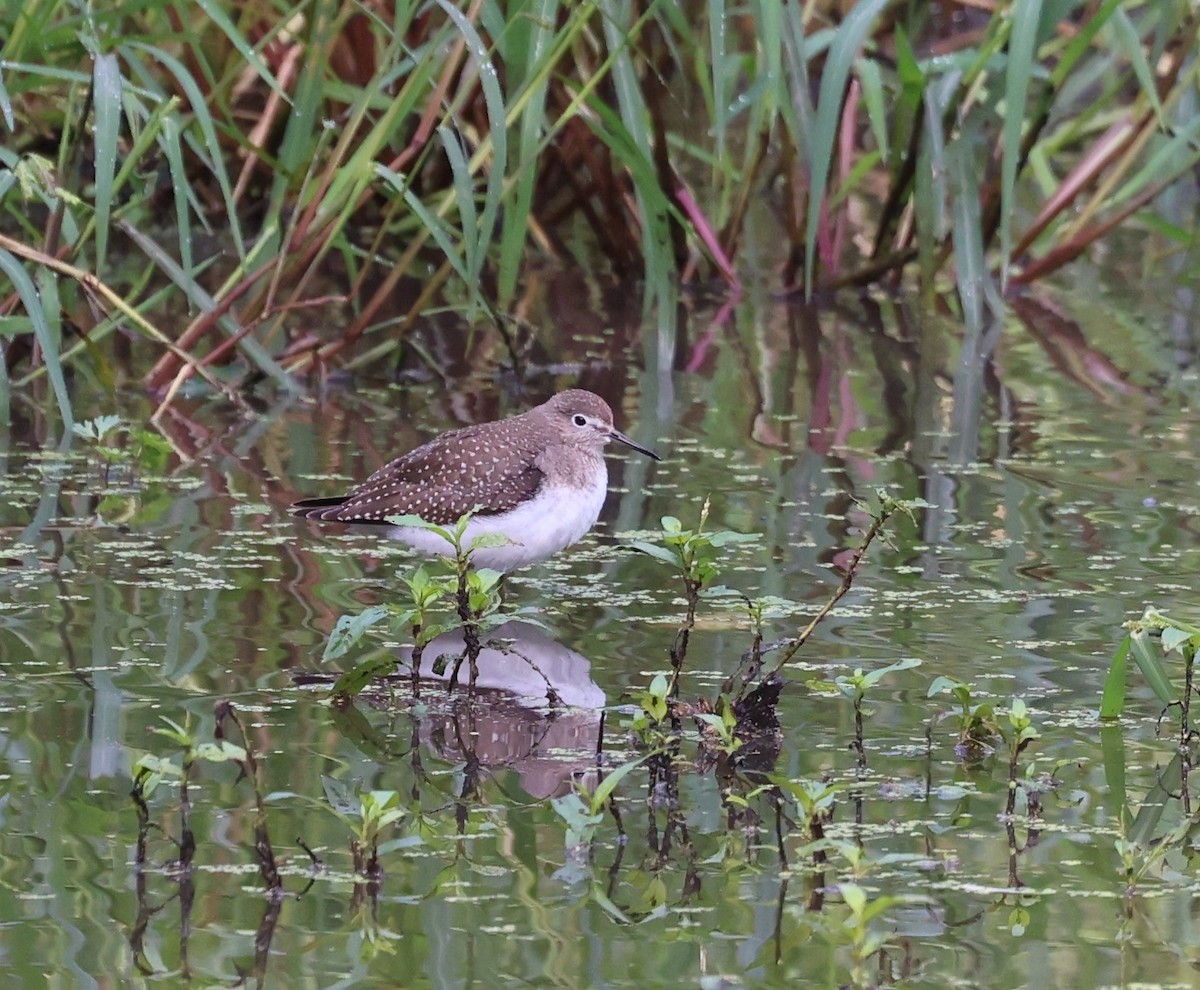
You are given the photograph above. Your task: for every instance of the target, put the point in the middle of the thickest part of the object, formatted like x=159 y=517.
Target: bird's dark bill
x=618 y=435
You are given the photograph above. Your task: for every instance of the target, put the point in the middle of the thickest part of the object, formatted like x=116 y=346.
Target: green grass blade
x=217 y=15
x=212 y=153
x=170 y=144
x=620 y=31
x=248 y=345
x=431 y=224
x=464 y=195
x=1112 y=747
x=1081 y=41
x=5 y=388
x=974 y=282
x=1173 y=157
x=106 y=83
x=930 y=189
x=1151 y=666
x=873 y=99
x=297 y=148
x=795 y=107
x=6 y=103
x=717 y=43
x=35 y=308
x=1112 y=701
x=1022 y=55
x=1126 y=37
x=843 y=51
x=480 y=235
x=538 y=65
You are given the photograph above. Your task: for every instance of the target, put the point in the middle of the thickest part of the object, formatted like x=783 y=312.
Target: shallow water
x=1060 y=477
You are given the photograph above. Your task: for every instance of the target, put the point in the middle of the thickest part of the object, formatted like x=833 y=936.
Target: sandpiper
x=539 y=479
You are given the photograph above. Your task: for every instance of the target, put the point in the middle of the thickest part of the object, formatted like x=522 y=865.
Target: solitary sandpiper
x=538 y=479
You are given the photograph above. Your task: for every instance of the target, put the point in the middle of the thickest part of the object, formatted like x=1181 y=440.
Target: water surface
x=1059 y=472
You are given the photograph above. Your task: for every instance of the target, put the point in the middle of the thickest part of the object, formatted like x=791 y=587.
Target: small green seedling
x=721 y=726
x=366 y=814
x=583 y=810
x=151 y=770
x=854 y=687
x=1023 y=733
x=693 y=554
x=978 y=731
x=142 y=448
x=473 y=593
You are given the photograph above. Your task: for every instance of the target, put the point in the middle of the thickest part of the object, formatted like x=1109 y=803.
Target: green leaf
x=479 y=234
x=96 y=429
x=350 y=629
x=15 y=326
x=1154 y=804
x=854 y=896
x=943 y=685
x=971 y=273
x=159 y=767
x=843 y=51
x=353 y=681
x=571 y=808
x=1112 y=701
x=1174 y=638
x=605 y=788
x=871 y=78
x=6 y=103
x=418 y=581
x=912 y=79
x=725 y=537
x=1151 y=666
x=486 y=578
x=216 y=13
x=1130 y=44
x=1022 y=55
x=198 y=104
x=219 y=752
x=341 y=797
x=173 y=149
x=106 y=88
x=1112 y=746
x=34 y=307
x=872 y=678
x=655 y=551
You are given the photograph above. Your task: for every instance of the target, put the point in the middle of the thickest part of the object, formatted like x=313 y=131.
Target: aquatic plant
x=883 y=145
x=472 y=593
x=693 y=554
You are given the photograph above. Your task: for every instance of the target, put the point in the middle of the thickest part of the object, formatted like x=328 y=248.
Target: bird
x=538 y=479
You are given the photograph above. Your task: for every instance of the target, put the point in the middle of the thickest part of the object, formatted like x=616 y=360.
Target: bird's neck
x=573 y=467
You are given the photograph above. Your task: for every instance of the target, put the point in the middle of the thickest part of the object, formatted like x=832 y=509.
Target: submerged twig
x=887 y=507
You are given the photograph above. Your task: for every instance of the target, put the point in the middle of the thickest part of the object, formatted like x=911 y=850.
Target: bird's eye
x=579 y=419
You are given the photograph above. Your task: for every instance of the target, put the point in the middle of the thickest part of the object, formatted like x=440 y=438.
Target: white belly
x=551 y=521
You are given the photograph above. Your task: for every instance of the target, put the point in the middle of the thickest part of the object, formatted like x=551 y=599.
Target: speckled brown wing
x=491 y=464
